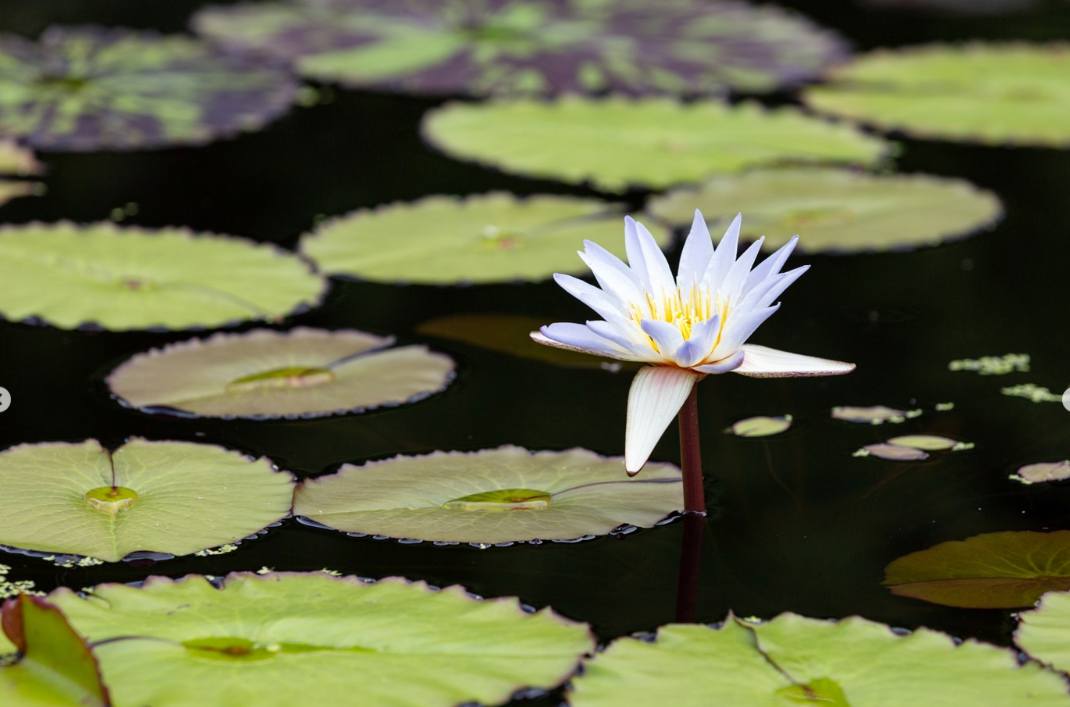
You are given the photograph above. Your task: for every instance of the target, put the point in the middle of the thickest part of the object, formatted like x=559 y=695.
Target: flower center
x=684 y=312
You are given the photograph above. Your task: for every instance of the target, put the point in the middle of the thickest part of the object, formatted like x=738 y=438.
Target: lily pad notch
x=267 y=374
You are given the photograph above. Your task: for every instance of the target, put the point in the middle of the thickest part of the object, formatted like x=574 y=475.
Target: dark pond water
x=797 y=523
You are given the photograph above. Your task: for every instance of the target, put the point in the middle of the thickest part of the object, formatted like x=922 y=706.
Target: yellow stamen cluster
x=684 y=312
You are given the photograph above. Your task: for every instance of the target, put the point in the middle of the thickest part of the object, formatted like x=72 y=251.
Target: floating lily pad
x=441 y=240
x=874 y=415
x=509 y=334
x=18 y=162
x=617 y=143
x=892 y=452
x=990 y=571
x=55 y=666
x=796 y=660
x=492 y=496
x=131 y=278
x=90 y=88
x=992 y=365
x=761 y=426
x=1043 y=632
x=162 y=497
x=837 y=210
x=310 y=638
x=1032 y=392
x=989 y=93
x=520 y=47
x=1043 y=472
x=264 y=373
x=928 y=443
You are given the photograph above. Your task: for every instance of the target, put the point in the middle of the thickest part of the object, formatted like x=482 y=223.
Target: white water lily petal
x=766 y=293
x=622 y=337
x=695 y=257
x=725 y=365
x=612 y=275
x=724 y=255
x=657 y=266
x=656 y=395
x=699 y=347
x=540 y=338
x=764 y=362
x=590 y=295
x=739 y=329
x=666 y=336
x=772 y=264
x=732 y=286
x=577 y=337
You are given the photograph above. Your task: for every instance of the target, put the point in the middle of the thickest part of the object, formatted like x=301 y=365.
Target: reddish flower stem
x=687 y=578
x=691 y=455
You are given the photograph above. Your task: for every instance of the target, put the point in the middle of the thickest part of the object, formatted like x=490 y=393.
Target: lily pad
x=617 y=143
x=1043 y=632
x=131 y=278
x=992 y=365
x=492 y=496
x=441 y=240
x=796 y=660
x=55 y=666
x=509 y=334
x=892 y=452
x=990 y=571
x=519 y=47
x=761 y=426
x=89 y=88
x=161 y=497
x=1001 y=94
x=310 y=638
x=264 y=374
x=928 y=443
x=873 y=415
x=1032 y=392
x=18 y=162
x=837 y=210
x=1042 y=472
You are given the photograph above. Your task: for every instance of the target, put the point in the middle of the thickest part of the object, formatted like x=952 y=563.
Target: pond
x=798 y=521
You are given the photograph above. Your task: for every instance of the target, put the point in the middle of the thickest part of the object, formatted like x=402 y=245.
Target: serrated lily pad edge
x=91 y=326
x=166 y=411
x=57 y=557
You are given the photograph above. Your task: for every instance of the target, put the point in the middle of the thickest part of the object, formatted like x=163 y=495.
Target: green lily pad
x=1001 y=94
x=519 y=47
x=131 y=278
x=796 y=660
x=161 y=497
x=510 y=334
x=55 y=666
x=873 y=415
x=310 y=638
x=1042 y=472
x=617 y=143
x=837 y=210
x=892 y=452
x=990 y=571
x=1032 y=392
x=264 y=374
x=761 y=426
x=18 y=162
x=1043 y=632
x=928 y=443
x=441 y=240
x=992 y=365
x=441 y=497
x=89 y=88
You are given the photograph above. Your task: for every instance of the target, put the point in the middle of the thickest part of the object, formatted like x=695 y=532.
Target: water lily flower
x=685 y=327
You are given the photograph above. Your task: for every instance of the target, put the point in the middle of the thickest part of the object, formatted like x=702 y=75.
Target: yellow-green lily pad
x=277 y=640
x=928 y=443
x=1042 y=472
x=617 y=143
x=172 y=498
x=122 y=278
x=761 y=426
x=995 y=93
x=1044 y=632
x=534 y=496
x=264 y=373
x=836 y=210
x=796 y=660
x=991 y=571
x=489 y=238
x=55 y=667
x=872 y=415
x=16 y=161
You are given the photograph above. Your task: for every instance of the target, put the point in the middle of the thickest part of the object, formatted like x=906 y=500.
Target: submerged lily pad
x=792 y=659
x=264 y=373
x=1013 y=93
x=760 y=426
x=521 y=47
x=1043 y=632
x=310 y=638
x=162 y=497
x=1042 y=472
x=492 y=496
x=509 y=334
x=874 y=415
x=441 y=240
x=990 y=571
x=55 y=666
x=90 y=88
x=992 y=365
x=131 y=278
x=837 y=210
x=617 y=143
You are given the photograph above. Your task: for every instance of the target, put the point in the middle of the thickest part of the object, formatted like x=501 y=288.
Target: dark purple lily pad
x=484 y=47
x=88 y=88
